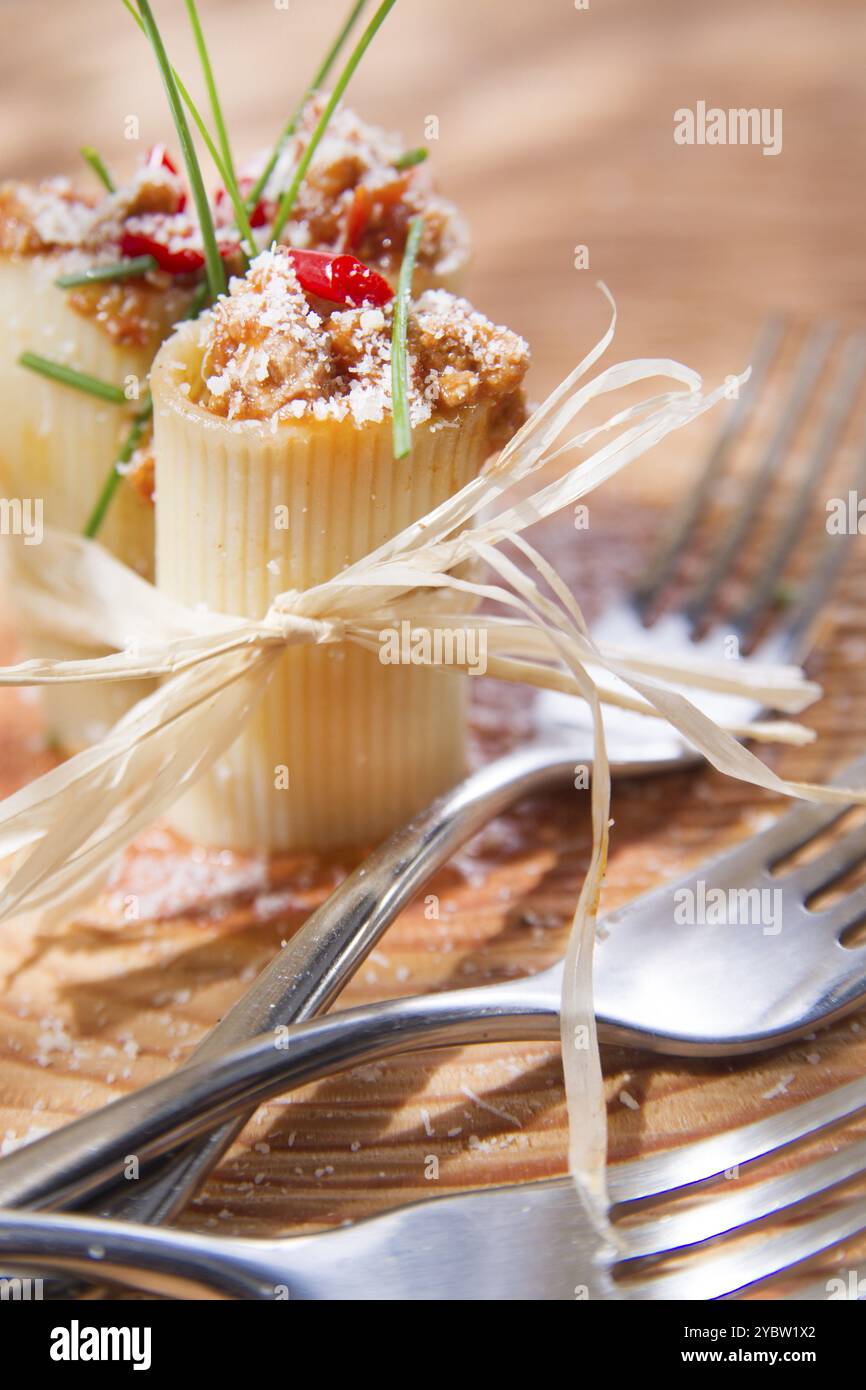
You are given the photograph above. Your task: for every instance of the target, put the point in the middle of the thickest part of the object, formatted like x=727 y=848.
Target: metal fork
x=661 y=614
x=305 y=978
x=530 y=1242
x=686 y=988
x=791 y=639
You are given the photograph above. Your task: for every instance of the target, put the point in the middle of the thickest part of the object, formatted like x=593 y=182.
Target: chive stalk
x=128 y=448
x=210 y=83
x=289 y=198
x=216 y=274
x=291 y=126
x=128 y=269
x=226 y=172
x=100 y=169
x=69 y=376
x=411 y=158
x=402 y=424
x=133 y=439
x=227 y=175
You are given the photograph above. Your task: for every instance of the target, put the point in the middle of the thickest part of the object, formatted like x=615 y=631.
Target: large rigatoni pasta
x=276 y=471
x=55 y=438
x=58 y=443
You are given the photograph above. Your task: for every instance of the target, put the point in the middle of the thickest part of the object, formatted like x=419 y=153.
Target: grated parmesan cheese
x=268 y=354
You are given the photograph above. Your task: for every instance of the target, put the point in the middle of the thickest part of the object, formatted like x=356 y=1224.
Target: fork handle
x=312 y=968
x=87 y=1154
x=168 y=1264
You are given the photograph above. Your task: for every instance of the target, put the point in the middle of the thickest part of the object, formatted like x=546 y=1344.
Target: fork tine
x=729 y=1214
x=787 y=834
x=809 y=368
x=732 y=1270
x=847 y=912
x=836 y=417
x=795 y=638
x=820 y=872
x=663 y=566
x=804 y=823
x=796 y=829
x=656 y=1174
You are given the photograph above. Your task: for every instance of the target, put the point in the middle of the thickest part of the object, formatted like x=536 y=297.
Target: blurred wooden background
x=556 y=129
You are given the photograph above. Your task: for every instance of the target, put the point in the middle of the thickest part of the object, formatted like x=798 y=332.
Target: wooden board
x=96 y=1008
x=555 y=130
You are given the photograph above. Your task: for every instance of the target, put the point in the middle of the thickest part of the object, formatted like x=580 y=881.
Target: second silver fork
x=532 y=1241
x=677 y=987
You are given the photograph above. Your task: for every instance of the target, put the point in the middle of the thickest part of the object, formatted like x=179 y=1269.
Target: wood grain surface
x=555 y=130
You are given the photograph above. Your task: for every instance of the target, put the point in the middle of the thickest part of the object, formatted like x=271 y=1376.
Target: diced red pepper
x=153 y=240
x=340 y=279
x=260 y=214
x=263 y=210
x=181 y=261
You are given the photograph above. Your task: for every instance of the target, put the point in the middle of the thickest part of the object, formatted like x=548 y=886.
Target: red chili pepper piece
x=261 y=213
x=263 y=210
x=340 y=279
x=181 y=261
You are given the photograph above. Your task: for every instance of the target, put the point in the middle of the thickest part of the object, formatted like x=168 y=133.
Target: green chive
x=118 y=270
x=226 y=173
x=228 y=177
x=94 y=159
x=289 y=198
x=130 y=444
x=330 y=58
x=213 y=262
x=133 y=439
x=402 y=425
x=411 y=158
x=68 y=376
x=210 y=83
x=228 y=166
